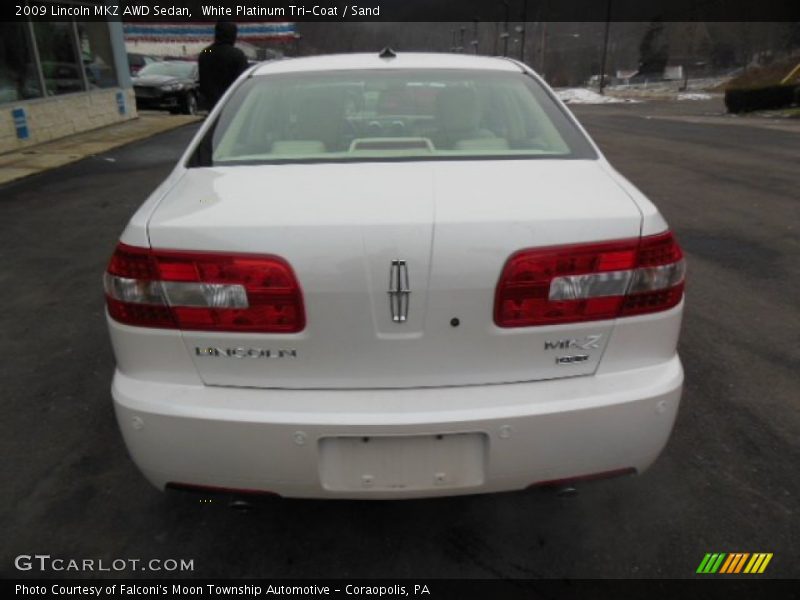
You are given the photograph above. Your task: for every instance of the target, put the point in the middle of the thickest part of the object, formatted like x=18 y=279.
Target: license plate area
x=403 y=463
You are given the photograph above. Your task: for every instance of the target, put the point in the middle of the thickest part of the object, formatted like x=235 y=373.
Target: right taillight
x=658 y=280
x=589 y=282
x=203 y=291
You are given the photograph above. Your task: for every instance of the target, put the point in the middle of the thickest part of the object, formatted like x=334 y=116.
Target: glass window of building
x=58 y=56
x=97 y=55
x=19 y=79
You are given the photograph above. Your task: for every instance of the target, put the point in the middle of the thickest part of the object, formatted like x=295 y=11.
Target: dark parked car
x=168 y=85
x=137 y=62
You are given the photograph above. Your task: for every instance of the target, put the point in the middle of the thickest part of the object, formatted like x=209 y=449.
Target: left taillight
x=205 y=291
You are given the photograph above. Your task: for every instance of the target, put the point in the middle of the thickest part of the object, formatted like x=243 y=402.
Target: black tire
x=189 y=104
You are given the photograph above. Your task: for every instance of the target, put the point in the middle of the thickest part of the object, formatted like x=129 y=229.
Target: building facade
x=61 y=77
x=258 y=40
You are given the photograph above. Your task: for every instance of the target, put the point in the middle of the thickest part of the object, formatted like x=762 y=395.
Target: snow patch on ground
x=695 y=96
x=585 y=96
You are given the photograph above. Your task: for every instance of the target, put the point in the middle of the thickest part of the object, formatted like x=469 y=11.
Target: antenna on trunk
x=387 y=53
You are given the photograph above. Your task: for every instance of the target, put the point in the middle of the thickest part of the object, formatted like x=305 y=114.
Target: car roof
x=402 y=60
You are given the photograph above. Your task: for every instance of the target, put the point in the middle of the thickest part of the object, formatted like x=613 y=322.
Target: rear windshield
x=390 y=115
x=171 y=69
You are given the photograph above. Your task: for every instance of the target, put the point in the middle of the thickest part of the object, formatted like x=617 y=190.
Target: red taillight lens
x=589 y=282
x=658 y=280
x=203 y=291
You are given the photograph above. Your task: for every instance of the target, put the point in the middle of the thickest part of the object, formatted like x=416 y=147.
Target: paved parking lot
x=728 y=480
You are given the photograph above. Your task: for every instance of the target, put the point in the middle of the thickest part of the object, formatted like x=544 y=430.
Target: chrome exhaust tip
x=566 y=491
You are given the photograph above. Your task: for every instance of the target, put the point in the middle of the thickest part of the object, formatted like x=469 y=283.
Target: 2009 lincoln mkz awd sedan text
x=393 y=276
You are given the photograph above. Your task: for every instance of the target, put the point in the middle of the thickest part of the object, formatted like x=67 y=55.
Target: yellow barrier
x=791 y=74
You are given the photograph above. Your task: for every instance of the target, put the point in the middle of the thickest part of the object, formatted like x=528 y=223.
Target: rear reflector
x=589 y=282
x=203 y=291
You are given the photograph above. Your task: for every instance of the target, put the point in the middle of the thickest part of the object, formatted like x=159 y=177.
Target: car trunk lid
x=398 y=263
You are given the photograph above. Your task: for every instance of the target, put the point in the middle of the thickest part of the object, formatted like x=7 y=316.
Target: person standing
x=220 y=64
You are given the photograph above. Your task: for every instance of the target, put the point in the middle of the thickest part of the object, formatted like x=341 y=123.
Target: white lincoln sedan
x=393 y=276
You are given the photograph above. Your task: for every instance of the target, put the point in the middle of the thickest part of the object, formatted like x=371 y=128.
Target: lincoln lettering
x=241 y=352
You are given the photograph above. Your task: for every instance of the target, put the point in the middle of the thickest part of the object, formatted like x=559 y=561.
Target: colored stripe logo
x=204 y=31
x=734 y=563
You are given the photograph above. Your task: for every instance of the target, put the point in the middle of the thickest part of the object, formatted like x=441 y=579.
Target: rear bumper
x=166 y=101
x=273 y=440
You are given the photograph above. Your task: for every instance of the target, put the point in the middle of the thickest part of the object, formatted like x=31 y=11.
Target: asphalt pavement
x=37 y=158
x=727 y=481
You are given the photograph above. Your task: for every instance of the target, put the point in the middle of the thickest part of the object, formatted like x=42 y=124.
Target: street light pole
x=522 y=33
x=544 y=47
x=505 y=30
x=605 y=47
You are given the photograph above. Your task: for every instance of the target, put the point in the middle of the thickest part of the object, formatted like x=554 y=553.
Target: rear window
x=390 y=115
x=170 y=69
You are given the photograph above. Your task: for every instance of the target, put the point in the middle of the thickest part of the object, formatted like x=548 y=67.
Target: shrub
x=761 y=98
